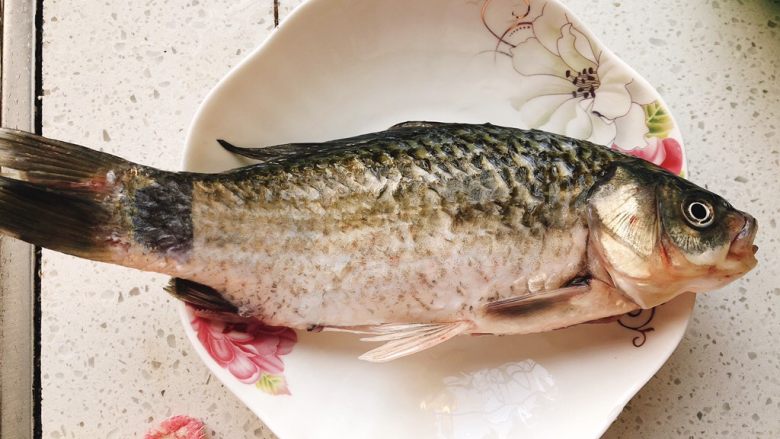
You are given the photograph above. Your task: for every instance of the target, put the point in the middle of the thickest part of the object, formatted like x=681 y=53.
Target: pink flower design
x=178 y=427
x=665 y=153
x=248 y=349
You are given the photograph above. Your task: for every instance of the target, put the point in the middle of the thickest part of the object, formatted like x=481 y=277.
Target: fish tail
x=59 y=195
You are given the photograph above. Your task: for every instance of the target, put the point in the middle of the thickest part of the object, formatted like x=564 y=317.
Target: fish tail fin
x=58 y=195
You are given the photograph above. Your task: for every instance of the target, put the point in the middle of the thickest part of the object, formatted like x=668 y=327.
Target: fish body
x=417 y=233
x=421 y=224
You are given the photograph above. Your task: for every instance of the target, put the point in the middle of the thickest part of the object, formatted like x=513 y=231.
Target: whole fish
x=414 y=234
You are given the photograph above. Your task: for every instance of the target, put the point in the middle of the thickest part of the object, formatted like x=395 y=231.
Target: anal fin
x=406 y=339
x=199 y=295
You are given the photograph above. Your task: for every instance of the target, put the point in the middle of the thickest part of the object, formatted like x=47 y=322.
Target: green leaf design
x=659 y=123
x=272 y=384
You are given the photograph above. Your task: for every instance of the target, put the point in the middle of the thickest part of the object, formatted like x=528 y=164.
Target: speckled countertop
x=128 y=76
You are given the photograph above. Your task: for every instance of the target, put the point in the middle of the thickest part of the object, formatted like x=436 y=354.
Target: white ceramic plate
x=338 y=68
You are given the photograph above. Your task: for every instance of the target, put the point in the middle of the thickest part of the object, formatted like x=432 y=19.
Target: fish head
x=656 y=235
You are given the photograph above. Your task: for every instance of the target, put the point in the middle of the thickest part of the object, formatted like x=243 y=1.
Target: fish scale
x=464 y=153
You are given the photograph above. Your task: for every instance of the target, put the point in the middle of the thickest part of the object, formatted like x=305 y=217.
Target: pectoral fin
x=536 y=302
x=581 y=301
x=405 y=339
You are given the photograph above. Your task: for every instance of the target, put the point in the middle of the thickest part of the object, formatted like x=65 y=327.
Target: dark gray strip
x=162 y=214
x=37 y=389
x=19 y=332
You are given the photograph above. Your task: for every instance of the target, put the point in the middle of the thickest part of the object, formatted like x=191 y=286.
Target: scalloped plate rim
x=685 y=301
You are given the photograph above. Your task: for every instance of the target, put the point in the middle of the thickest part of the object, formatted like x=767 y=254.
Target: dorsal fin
x=270 y=153
x=295 y=151
x=416 y=124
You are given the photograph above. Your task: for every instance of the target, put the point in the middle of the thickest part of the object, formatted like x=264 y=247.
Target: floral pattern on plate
x=248 y=349
x=571 y=86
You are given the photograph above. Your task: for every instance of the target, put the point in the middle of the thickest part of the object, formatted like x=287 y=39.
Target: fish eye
x=698 y=213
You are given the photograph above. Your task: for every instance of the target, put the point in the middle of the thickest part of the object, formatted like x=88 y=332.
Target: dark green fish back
x=520 y=177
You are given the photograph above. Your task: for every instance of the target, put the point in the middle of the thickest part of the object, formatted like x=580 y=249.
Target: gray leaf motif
x=491 y=402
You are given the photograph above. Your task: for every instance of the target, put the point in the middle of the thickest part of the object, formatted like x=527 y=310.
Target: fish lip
x=742 y=244
x=749 y=229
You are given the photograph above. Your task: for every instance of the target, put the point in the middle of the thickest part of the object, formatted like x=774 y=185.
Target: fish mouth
x=742 y=245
